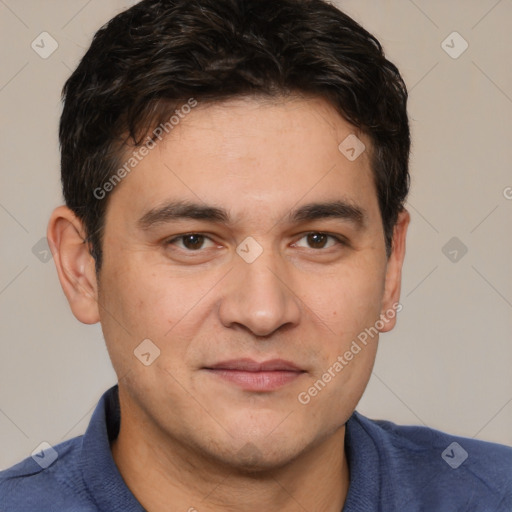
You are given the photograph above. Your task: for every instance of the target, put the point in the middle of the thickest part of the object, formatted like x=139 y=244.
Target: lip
x=252 y=375
x=249 y=365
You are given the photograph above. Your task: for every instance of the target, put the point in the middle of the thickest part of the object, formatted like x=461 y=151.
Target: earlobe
x=74 y=263
x=391 y=299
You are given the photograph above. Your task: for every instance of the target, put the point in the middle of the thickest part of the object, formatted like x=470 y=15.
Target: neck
x=160 y=471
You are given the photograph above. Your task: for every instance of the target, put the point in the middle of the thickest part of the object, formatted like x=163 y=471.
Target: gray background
x=447 y=363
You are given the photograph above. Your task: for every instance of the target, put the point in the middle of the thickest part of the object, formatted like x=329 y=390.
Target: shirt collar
x=101 y=476
x=365 y=466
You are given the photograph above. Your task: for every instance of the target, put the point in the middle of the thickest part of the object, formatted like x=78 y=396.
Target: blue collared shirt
x=392 y=468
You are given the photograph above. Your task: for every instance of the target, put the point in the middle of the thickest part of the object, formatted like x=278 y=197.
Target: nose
x=259 y=298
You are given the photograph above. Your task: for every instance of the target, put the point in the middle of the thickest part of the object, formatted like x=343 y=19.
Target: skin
x=189 y=438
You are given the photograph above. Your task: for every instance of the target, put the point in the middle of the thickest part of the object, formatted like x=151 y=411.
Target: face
x=246 y=237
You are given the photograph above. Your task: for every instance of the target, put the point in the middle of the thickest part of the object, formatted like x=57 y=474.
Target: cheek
x=155 y=301
x=347 y=300
x=348 y=306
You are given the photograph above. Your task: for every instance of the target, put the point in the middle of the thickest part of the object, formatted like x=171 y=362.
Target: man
x=235 y=174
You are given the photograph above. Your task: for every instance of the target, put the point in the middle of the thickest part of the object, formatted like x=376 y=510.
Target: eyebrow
x=342 y=210
x=179 y=210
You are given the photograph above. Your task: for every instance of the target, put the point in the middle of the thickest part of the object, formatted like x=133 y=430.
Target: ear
x=393 y=280
x=75 y=265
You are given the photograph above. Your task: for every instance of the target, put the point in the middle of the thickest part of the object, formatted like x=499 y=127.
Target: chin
x=251 y=459
x=253 y=451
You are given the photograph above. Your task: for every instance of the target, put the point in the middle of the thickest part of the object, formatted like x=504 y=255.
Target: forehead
x=261 y=155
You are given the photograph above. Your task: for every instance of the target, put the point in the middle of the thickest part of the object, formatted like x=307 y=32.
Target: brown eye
x=318 y=240
x=191 y=242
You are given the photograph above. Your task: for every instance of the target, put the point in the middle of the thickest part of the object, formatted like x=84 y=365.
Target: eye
x=191 y=242
x=318 y=240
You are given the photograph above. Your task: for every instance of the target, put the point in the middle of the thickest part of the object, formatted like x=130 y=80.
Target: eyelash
x=339 y=240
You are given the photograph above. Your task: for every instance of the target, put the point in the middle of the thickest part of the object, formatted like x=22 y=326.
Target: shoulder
x=461 y=471
x=50 y=480
x=419 y=439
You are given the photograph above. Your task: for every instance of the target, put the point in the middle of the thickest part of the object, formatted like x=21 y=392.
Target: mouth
x=251 y=375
